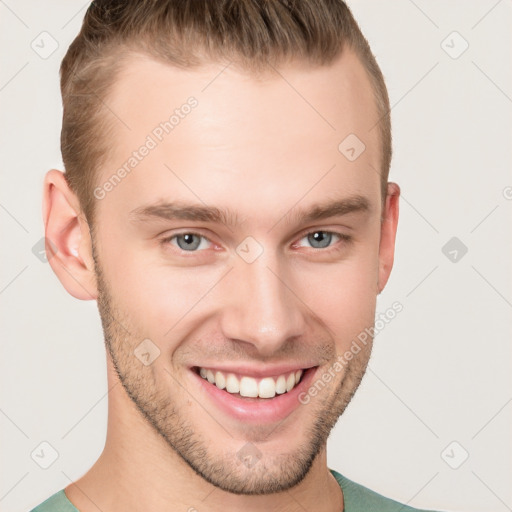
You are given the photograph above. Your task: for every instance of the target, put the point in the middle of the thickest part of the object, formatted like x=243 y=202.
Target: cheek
x=342 y=294
x=155 y=296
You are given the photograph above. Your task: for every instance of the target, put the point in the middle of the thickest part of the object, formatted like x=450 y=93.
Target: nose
x=264 y=306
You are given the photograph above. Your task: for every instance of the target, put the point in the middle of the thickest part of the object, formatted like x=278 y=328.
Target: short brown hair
x=186 y=33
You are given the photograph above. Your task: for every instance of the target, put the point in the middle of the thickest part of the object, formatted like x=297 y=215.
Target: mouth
x=254 y=397
x=250 y=387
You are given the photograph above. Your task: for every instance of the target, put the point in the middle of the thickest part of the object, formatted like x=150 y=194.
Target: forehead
x=328 y=99
x=261 y=135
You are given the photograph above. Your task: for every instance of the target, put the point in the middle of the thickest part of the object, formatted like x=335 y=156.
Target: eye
x=320 y=239
x=188 y=241
x=194 y=242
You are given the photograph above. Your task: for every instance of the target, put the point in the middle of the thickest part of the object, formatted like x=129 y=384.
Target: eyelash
x=347 y=239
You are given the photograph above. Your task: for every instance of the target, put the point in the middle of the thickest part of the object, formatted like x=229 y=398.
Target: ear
x=68 y=241
x=389 y=223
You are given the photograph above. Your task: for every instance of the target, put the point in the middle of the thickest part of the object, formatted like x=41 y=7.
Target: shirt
x=356 y=497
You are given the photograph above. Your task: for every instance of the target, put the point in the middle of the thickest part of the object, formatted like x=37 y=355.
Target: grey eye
x=320 y=239
x=188 y=241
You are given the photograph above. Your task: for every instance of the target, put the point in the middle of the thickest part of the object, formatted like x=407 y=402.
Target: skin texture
x=264 y=150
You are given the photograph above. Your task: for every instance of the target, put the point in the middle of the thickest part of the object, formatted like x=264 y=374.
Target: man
x=226 y=202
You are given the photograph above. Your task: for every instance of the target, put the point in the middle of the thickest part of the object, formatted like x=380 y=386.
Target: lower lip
x=263 y=410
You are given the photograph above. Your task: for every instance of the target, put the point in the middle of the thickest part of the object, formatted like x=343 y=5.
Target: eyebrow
x=179 y=210
x=328 y=209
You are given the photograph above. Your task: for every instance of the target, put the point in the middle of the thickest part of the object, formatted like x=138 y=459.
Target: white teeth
x=281 y=385
x=290 y=382
x=220 y=380
x=248 y=387
x=267 y=387
x=232 y=384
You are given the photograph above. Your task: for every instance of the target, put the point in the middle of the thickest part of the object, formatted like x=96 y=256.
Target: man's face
x=259 y=298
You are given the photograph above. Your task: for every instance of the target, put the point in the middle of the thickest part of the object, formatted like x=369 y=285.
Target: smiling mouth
x=249 y=387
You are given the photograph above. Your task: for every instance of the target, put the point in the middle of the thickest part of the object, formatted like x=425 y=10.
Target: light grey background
x=440 y=371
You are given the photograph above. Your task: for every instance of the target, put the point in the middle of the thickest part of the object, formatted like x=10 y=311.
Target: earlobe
x=388 y=235
x=68 y=242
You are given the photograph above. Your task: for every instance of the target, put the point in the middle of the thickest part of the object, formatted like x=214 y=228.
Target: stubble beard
x=271 y=473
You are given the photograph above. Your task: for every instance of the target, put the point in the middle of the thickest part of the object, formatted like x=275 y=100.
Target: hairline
x=121 y=55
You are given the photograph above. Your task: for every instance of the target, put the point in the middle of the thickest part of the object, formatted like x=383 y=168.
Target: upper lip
x=257 y=371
